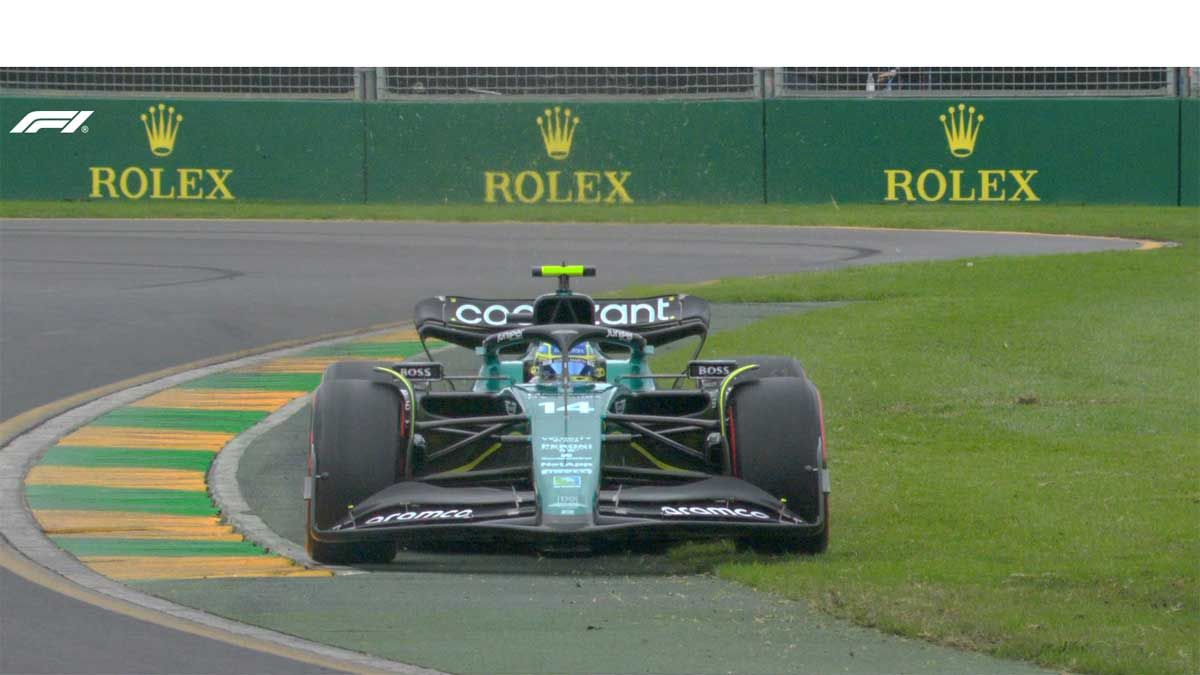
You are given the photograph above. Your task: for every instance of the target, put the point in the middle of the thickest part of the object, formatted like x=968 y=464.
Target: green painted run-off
x=381 y=350
x=182 y=419
x=258 y=381
x=104 y=546
x=87 y=498
x=70 y=455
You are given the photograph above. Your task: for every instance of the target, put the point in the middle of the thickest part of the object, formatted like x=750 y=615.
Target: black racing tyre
x=357 y=370
x=769 y=366
x=357 y=451
x=776 y=444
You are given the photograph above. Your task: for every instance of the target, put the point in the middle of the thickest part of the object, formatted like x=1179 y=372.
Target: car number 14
x=582 y=407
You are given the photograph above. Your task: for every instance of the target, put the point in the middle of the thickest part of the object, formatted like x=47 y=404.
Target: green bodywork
x=566 y=433
x=566 y=427
x=629 y=373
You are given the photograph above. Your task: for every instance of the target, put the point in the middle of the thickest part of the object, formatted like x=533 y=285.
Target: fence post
x=765 y=83
x=381 y=83
x=365 y=88
x=1187 y=82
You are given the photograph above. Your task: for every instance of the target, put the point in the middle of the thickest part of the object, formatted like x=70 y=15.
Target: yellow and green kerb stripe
x=127 y=493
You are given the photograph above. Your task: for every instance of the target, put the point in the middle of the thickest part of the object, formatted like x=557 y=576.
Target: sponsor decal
x=492 y=315
x=424 y=371
x=629 y=313
x=703 y=369
x=608 y=313
x=961 y=125
x=564 y=466
x=413 y=516
x=566 y=457
x=557 y=127
x=961 y=131
x=161 y=129
x=568 y=445
x=558 y=131
x=568 y=481
x=509 y=335
x=161 y=124
x=618 y=334
x=713 y=511
x=68 y=121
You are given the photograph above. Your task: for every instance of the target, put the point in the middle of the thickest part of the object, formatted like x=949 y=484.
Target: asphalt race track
x=88 y=303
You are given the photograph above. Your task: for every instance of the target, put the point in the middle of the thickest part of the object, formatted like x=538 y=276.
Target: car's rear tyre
x=776 y=444
x=356 y=453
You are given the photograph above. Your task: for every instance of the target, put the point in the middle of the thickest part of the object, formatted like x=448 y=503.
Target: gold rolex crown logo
x=962 y=129
x=162 y=124
x=558 y=130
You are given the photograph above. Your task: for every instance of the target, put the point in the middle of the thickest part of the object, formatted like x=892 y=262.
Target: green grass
x=1128 y=220
x=1015 y=448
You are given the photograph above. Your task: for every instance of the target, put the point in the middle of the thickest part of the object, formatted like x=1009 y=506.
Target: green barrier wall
x=1189 y=149
x=1126 y=151
x=1074 y=151
x=220 y=150
x=618 y=153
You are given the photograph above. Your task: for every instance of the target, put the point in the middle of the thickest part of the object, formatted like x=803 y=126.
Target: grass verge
x=1138 y=221
x=1014 y=448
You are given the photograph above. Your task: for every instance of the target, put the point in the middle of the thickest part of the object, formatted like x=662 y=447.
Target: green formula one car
x=564 y=438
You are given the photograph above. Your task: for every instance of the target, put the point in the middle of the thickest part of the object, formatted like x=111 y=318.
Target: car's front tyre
x=356 y=452
x=776 y=443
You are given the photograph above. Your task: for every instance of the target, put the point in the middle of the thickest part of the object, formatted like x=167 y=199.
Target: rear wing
x=467 y=321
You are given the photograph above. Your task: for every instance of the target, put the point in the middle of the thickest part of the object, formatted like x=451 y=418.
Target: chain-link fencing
x=618 y=83
x=258 y=82
x=574 y=82
x=999 y=81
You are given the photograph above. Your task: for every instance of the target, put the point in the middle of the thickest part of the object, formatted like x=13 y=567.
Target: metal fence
x=998 y=81
x=259 y=82
x=556 y=82
x=648 y=82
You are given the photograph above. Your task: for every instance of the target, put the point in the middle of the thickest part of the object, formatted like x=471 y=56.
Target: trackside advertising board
x=1189 y=148
x=615 y=153
x=560 y=152
x=180 y=149
x=973 y=151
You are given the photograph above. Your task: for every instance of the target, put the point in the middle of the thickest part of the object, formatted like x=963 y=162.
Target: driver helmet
x=581 y=362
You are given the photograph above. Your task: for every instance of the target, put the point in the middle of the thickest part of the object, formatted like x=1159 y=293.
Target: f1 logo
x=67 y=120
